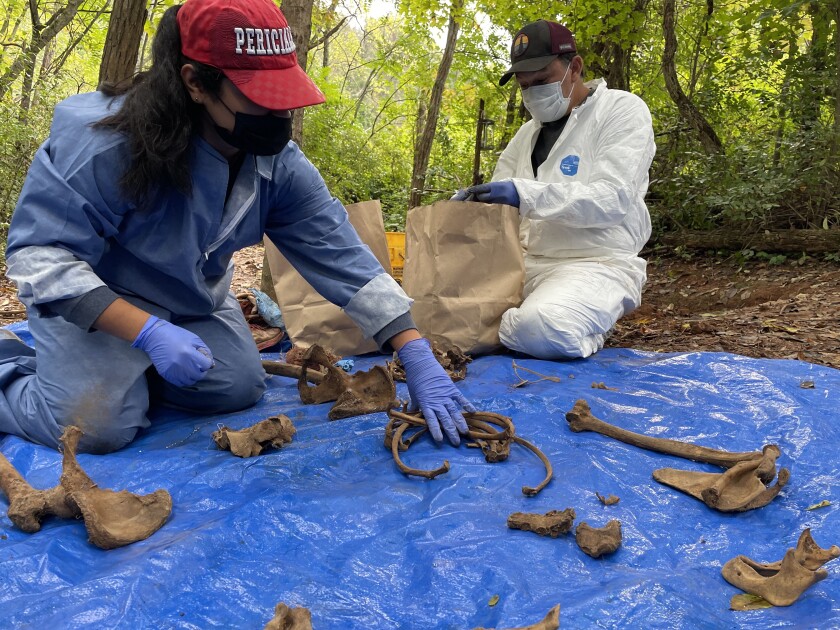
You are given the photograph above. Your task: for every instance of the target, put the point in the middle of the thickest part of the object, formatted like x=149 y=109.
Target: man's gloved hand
x=178 y=355
x=462 y=194
x=433 y=391
x=496 y=192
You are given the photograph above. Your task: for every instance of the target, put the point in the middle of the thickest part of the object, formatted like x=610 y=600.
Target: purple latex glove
x=178 y=355
x=496 y=192
x=433 y=392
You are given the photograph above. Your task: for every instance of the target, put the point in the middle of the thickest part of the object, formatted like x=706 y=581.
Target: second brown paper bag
x=309 y=318
x=463 y=268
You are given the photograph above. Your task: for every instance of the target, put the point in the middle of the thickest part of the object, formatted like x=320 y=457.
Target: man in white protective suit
x=578 y=172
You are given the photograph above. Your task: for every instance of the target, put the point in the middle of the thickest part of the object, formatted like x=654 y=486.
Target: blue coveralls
x=73 y=231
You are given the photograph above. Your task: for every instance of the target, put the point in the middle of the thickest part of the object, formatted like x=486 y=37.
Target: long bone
x=580 y=419
x=279 y=368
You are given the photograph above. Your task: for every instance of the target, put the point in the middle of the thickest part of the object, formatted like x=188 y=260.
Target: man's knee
x=547 y=331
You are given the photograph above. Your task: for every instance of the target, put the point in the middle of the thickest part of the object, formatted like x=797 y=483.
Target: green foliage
x=763 y=73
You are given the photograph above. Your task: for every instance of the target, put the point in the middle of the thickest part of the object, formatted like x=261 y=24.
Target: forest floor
x=696 y=304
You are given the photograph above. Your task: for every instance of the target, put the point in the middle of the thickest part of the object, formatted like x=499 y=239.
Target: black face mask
x=265 y=134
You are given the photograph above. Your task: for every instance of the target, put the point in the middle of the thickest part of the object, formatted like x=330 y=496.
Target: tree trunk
x=688 y=111
x=837 y=79
x=144 y=44
x=782 y=108
x=788 y=241
x=299 y=15
x=26 y=88
x=424 y=147
x=510 y=115
x=122 y=44
x=836 y=145
x=61 y=18
x=698 y=46
x=616 y=49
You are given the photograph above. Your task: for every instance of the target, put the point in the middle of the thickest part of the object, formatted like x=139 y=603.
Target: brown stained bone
x=780 y=583
x=296 y=355
x=274 y=431
x=595 y=541
x=550 y=622
x=279 y=368
x=406 y=470
x=737 y=490
x=28 y=506
x=286 y=618
x=580 y=419
x=482 y=428
x=451 y=358
x=551 y=523
x=610 y=499
x=112 y=519
x=354 y=394
x=808 y=553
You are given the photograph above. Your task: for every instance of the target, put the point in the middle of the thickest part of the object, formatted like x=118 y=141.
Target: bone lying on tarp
x=598 y=541
x=354 y=394
x=28 y=506
x=737 y=490
x=551 y=523
x=286 y=618
x=250 y=441
x=550 y=622
x=112 y=519
x=580 y=419
x=482 y=428
x=279 y=368
x=781 y=583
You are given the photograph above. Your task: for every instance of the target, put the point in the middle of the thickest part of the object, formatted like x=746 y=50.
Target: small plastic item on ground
x=345 y=364
x=263 y=317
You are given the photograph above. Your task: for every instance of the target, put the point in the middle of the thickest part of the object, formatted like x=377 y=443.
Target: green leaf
x=493 y=600
x=746 y=601
x=819 y=505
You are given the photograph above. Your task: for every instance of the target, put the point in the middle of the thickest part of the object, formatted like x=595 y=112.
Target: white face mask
x=546 y=102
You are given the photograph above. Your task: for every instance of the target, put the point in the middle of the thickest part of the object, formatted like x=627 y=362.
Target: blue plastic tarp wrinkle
x=329 y=523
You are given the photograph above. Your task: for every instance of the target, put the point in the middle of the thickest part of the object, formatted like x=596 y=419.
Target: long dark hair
x=158 y=116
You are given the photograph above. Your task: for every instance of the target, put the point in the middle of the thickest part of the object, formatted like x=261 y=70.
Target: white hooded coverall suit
x=584 y=222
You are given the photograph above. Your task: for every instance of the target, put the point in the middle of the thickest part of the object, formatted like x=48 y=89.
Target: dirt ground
x=696 y=304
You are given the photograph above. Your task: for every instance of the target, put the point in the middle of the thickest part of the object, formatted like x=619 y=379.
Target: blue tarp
x=329 y=523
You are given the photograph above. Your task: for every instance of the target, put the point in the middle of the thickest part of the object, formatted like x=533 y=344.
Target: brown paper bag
x=464 y=268
x=309 y=318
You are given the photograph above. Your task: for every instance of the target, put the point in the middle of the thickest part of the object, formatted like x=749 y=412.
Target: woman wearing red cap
x=122 y=239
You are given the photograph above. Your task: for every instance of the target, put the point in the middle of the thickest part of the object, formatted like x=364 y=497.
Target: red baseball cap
x=251 y=43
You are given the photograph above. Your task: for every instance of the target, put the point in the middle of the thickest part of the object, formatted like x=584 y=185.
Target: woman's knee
x=223 y=390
